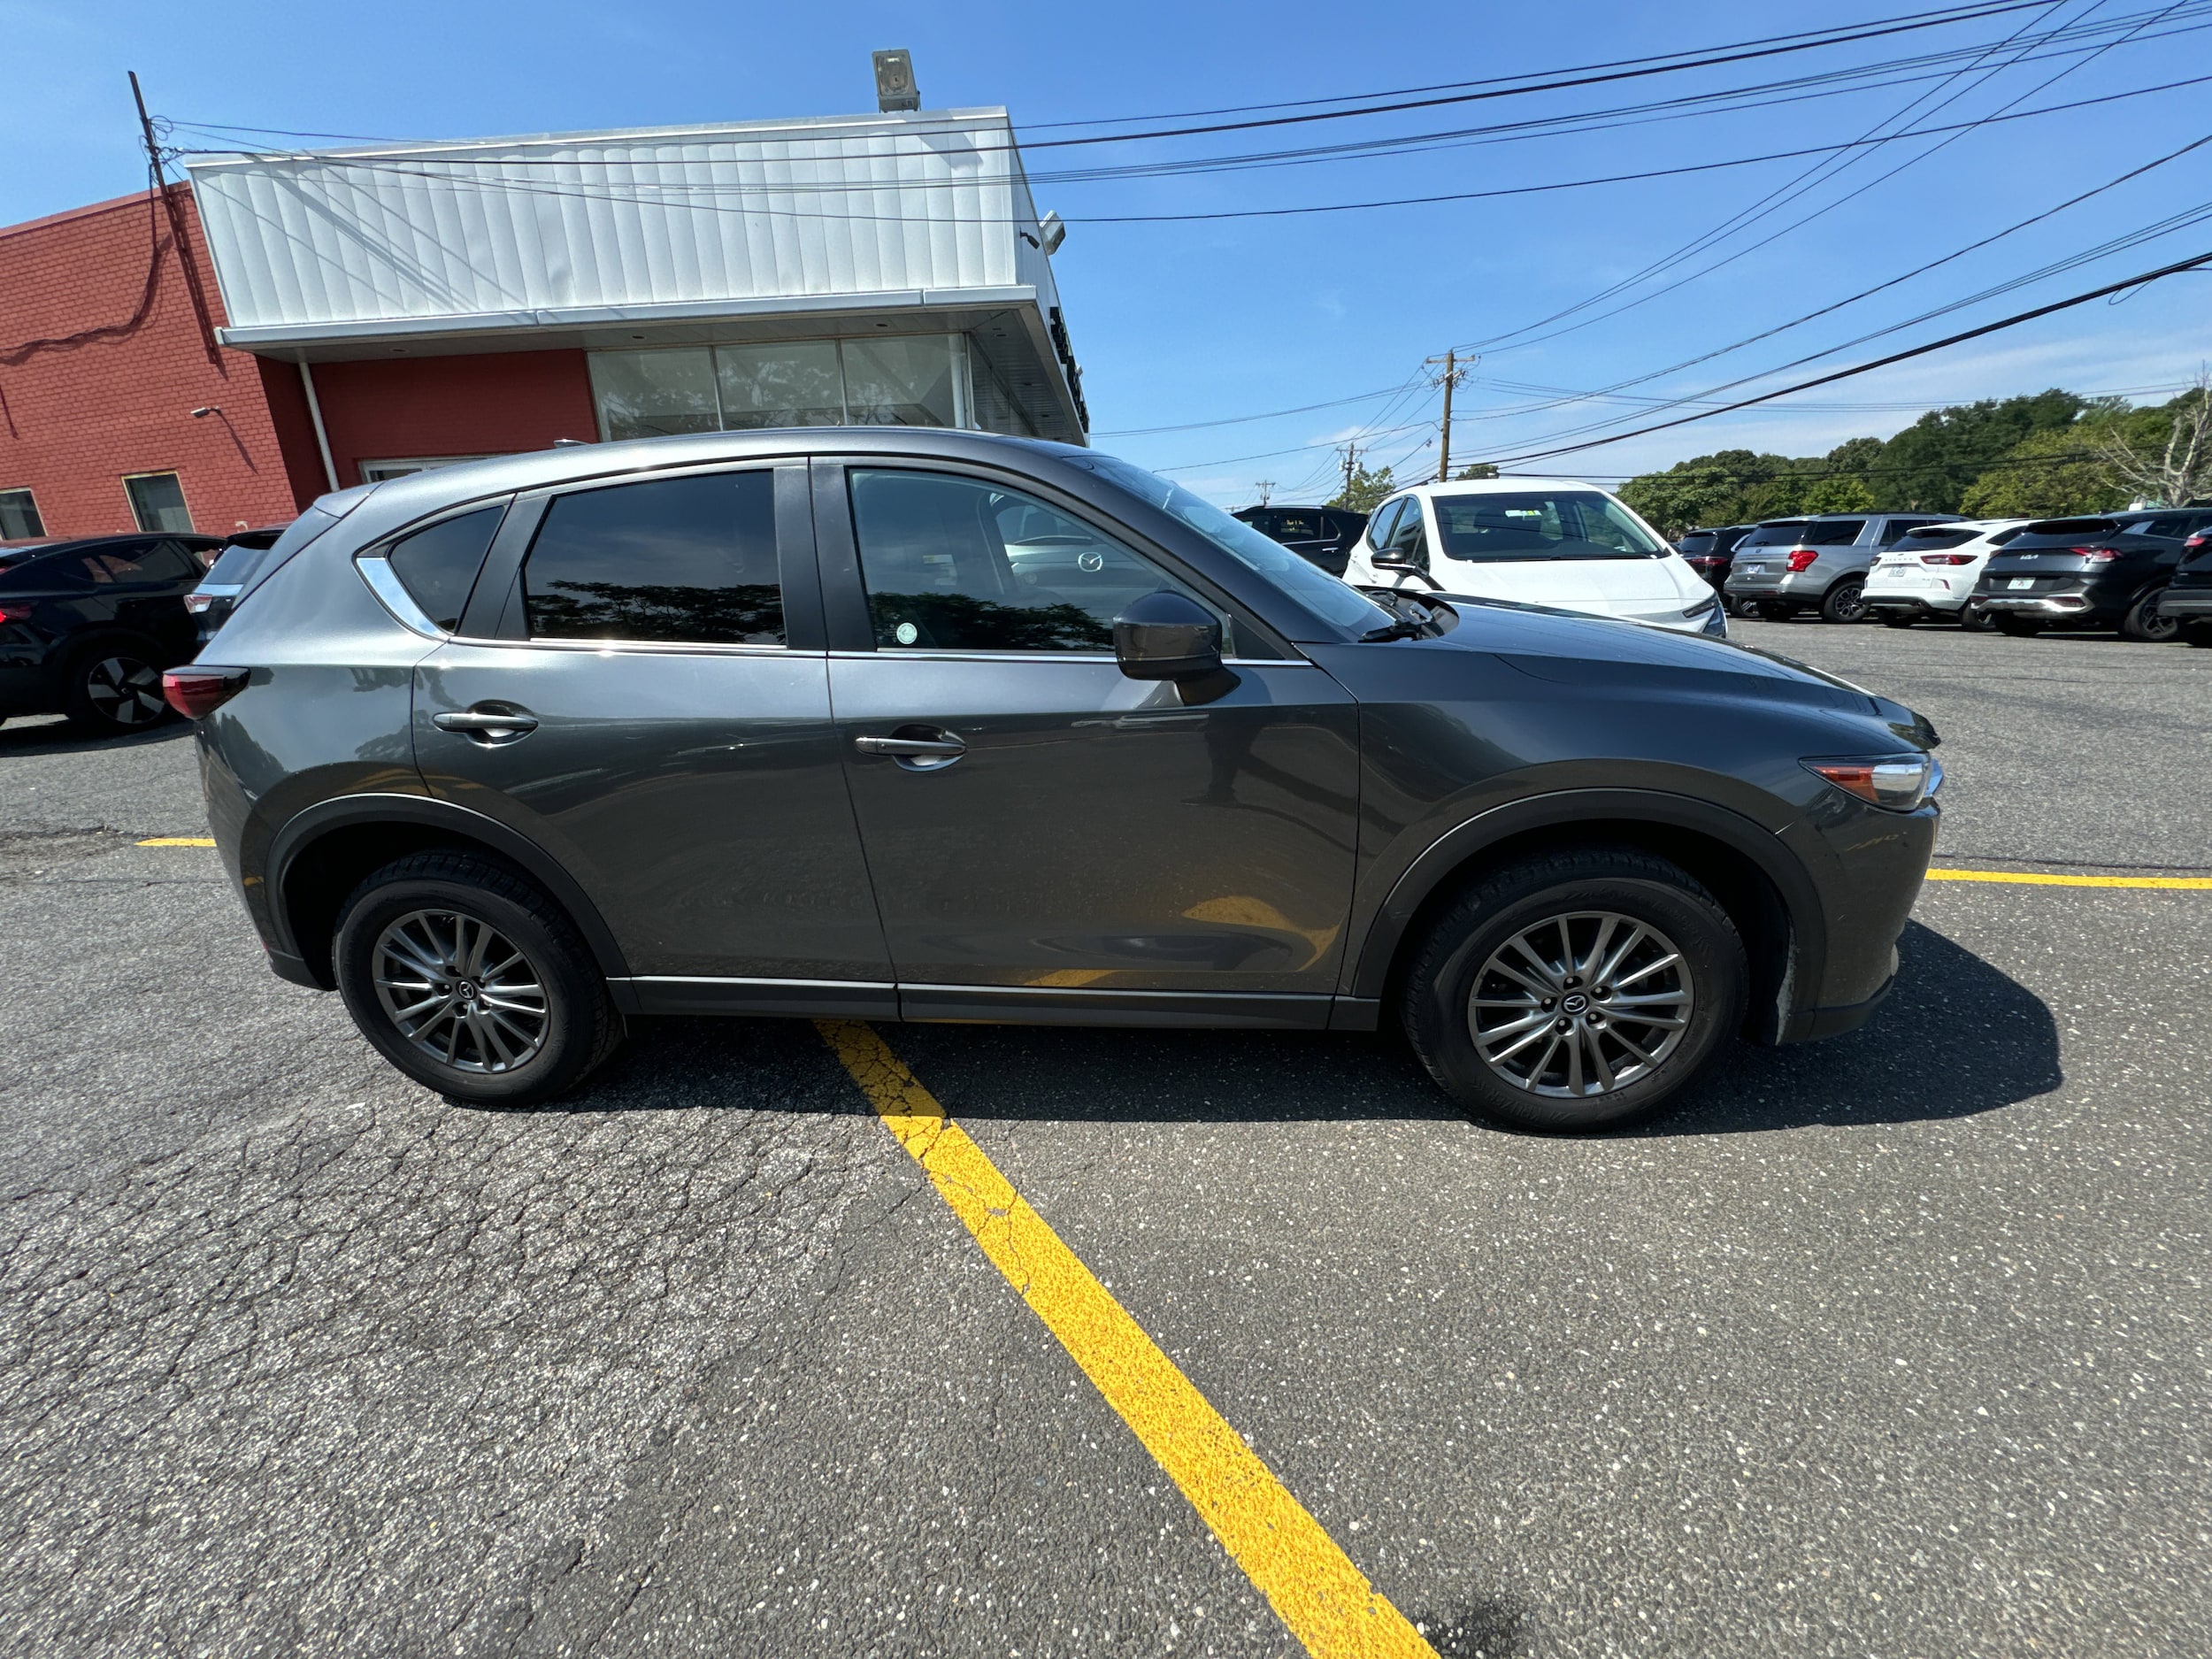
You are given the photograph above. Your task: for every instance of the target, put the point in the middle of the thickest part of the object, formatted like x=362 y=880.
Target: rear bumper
x=2187 y=603
x=1917 y=600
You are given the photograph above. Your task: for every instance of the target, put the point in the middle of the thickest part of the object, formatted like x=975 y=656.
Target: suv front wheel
x=471 y=981
x=1574 y=992
x=1844 y=602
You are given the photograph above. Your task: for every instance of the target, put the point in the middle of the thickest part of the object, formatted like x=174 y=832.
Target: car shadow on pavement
x=23 y=736
x=1956 y=1038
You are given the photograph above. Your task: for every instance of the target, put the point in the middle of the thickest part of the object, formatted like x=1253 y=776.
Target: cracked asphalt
x=1890 y=1346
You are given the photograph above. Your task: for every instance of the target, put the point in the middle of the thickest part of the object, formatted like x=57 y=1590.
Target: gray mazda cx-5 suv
x=932 y=725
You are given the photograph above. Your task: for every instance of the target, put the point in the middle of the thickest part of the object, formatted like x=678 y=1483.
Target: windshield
x=1311 y=586
x=1501 y=525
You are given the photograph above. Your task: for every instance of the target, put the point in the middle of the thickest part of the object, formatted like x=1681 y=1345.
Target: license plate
x=1753 y=569
x=2018 y=582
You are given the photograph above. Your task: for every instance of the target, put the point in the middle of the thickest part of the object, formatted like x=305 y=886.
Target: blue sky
x=1206 y=320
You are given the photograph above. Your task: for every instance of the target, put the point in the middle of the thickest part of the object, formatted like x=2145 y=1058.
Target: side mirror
x=1393 y=560
x=1167 y=637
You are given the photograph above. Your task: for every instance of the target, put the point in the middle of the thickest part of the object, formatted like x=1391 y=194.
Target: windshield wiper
x=1405 y=629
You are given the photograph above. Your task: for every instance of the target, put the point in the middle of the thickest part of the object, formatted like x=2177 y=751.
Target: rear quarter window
x=438 y=565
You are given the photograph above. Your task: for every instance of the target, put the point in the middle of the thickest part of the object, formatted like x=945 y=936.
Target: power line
x=638 y=191
x=1879 y=363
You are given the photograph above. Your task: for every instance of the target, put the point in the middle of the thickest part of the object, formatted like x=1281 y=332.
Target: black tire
x=1744 y=608
x=111 y=687
x=1899 y=618
x=2144 y=625
x=1775 y=611
x=1844 y=601
x=576 y=1027
x=1454 y=959
x=1972 y=620
x=2017 y=627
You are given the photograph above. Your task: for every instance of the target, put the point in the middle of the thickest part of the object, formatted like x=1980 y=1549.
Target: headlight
x=1897 y=785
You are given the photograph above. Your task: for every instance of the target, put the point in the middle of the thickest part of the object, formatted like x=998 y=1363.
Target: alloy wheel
x=461 y=991
x=1580 y=1005
x=124 y=691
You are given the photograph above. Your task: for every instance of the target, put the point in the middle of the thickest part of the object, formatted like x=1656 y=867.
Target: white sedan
x=1535 y=540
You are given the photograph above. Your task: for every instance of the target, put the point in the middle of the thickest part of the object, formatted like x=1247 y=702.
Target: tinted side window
x=1894 y=528
x=1697 y=543
x=1296 y=527
x=1379 y=526
x=688 y=560
x=2159 y=527
x=170 y=561
x=438 y=565
x=116 y=566
x=1831 y=532
x=962 y=565
x=1409 y=534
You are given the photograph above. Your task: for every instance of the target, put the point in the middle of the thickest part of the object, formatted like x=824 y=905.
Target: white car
x=1928 y=574
x=1535 y=540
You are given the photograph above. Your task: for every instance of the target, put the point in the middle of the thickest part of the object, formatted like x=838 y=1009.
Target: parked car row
x=2147 y=572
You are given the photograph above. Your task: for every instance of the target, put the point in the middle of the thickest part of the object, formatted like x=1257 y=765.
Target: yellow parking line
x=2030 y=878
x=1313 y=1586
x=178 y=840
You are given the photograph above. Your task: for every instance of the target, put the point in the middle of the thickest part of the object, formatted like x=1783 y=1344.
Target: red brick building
x=217 y=355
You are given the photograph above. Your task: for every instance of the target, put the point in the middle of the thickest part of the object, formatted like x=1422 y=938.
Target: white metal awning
x=759 y=229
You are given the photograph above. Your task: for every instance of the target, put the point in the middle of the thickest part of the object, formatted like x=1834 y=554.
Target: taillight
x=1801 y=559
x=199 y=603
x=2096 y=554
x=1946 y=558
x=195 y=693
x=2194 y=544
x=17 y=613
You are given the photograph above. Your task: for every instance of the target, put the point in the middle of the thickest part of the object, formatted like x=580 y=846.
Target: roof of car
x=1497 y=485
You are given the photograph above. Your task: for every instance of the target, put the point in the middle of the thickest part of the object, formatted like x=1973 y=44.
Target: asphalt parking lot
x=1888 y=1345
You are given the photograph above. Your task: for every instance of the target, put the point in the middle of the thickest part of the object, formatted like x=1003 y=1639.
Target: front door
x=1048 y=838
x=655 y=713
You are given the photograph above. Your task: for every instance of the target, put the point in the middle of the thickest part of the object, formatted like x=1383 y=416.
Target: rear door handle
x=488 y=723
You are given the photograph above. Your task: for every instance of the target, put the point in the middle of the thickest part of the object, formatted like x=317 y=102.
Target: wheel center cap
x=1574 y=1003
x=465 y=990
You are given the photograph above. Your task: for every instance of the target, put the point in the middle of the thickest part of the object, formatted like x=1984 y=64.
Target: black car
x=2103 y=572
x=1322 y=535
x=87 y=626
x=210 y=603
x=2186 y=601
x=901 y=724
x=1709 y=551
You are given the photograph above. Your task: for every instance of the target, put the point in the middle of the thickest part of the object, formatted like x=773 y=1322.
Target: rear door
x=1048 y=838
x=645 y=694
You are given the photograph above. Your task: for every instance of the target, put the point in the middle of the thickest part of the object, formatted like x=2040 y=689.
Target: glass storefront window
x=795 y=384
x=901 y=381
x=651 y=393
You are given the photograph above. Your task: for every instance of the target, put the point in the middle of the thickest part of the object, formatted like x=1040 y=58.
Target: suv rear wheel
x=1844 y=602
x=112 y=688
x=2143 y=623
x=471 y=981
x=1574 y=992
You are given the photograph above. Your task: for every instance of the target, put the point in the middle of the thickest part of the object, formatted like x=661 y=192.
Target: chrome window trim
x=391 y=593
x=907 y=653
x=650 y=647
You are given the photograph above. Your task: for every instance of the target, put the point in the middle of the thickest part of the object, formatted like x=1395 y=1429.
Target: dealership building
x=216 y=354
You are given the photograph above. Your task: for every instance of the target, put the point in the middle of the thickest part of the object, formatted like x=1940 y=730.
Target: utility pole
x=1351 y=466
x=1266 y=487
x=176 y=228
x=1453 y=374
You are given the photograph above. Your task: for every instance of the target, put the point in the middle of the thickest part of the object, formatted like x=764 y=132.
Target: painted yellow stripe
x=179 y=841
x=1313 y=1586
x=2032 y=878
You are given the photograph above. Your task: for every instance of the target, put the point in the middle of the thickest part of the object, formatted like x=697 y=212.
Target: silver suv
x=1815 y=563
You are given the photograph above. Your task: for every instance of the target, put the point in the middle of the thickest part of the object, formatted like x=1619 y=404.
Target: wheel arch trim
x=1451 y=852
x=303 y=831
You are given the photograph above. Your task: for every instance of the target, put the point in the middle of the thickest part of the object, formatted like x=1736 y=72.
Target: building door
x=1048 y=838
x=652 y=707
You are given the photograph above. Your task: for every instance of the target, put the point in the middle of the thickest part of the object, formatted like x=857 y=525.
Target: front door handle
x=916 y=748
x=488 y=722
x=936 y=748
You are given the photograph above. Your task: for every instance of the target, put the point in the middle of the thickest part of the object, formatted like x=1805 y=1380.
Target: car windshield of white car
x=1501 y=525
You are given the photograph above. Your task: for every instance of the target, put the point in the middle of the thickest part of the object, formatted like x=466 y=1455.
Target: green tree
x=1480 y=469
x=1931 y=465
x=1365 y=492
